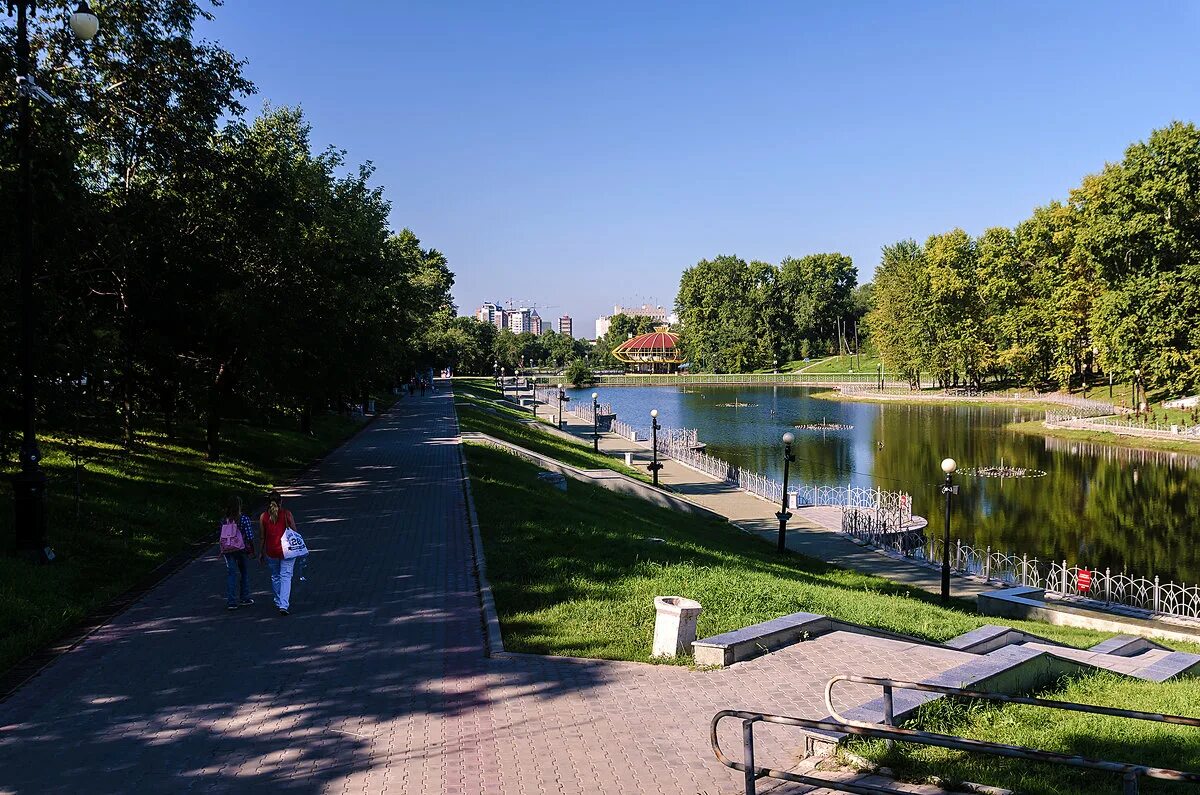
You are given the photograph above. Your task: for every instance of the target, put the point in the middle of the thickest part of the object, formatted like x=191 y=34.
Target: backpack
x=231 y=538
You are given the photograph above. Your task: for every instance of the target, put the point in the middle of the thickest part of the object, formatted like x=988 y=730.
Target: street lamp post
x=1137 y=381
x=29 y=485
x=562 y=398
x=948 y=466
x=595 y=422
x=654 y=466
x=879 y=370
x=783 y=515
x=775 y=366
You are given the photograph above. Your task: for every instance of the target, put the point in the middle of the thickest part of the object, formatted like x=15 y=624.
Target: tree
x=900 y=316
x=721 y=312
x=579 y=374
x=1140 y=228
x=816 y=296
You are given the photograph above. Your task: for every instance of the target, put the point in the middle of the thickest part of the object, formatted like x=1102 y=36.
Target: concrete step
x=1154 y=664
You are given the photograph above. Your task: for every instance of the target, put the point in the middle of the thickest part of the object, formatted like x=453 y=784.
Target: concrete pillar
x=674 y=625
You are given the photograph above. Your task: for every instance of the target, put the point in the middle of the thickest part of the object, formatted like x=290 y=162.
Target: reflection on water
x=1130 y=510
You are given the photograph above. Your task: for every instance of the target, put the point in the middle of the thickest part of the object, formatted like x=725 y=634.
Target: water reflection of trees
x=1126 y=509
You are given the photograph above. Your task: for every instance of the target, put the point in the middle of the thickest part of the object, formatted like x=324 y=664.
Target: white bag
x=293 y=545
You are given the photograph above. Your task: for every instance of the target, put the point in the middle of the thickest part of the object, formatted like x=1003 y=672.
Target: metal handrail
x=1129 y=772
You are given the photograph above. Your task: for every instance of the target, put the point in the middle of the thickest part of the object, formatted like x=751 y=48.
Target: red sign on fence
x=1085 y=580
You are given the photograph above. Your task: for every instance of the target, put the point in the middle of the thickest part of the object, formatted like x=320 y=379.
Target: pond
x=1099 y=505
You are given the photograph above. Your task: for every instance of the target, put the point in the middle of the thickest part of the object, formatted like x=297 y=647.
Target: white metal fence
x=892 y=506
x=1149 y=428
x=1058 y=577
x=752 y=379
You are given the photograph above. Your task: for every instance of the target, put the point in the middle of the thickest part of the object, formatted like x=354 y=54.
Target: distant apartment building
x=566 y=326
x=656 y=313
x=492 y=313
x=524 y=321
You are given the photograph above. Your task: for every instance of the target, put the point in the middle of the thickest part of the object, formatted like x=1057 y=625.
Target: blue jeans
x=235 y=563
x=281 y=580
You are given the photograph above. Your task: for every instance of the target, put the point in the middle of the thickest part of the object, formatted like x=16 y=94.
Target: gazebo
x=656 y=352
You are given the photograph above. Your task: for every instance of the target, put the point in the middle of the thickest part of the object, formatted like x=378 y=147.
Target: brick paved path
x=378 y=681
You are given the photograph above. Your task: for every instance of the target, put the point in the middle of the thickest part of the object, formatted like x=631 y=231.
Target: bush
x=579 y=374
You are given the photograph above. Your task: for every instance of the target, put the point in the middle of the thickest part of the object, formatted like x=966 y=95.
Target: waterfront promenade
x=380 y=681
x=812 y=531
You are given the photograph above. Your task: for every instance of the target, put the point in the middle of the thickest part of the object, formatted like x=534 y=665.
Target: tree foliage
x=191 y=262
x=1109 y=281
x=737 y=315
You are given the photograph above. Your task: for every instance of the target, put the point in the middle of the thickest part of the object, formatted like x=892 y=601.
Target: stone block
x=674 y=625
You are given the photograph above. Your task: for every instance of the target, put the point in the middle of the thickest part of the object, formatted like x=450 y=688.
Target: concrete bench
x=742 y=644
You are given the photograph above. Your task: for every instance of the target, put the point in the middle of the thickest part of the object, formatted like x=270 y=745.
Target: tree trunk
x=306 y=417
x=216 y=404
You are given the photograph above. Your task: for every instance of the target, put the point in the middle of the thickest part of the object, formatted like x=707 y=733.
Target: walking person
x=236 y=543
x=275 y=521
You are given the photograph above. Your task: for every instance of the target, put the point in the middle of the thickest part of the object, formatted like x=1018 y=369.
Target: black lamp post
x=879 y=369
x=29 y=485
x=1137 y=380
x=948 y=466
x=562 y=398
x=788 y=458
x=654 y=466
x=595 y=422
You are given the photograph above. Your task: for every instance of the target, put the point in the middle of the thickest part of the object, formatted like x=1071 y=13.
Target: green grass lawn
x=475 y=400
x=844 y=364
x=575 y=573
x=1100 y=737
x=137 y=510
x=1038 y=428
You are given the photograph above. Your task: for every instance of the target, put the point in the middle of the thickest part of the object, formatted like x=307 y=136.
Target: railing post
x=748 y=754
x=1107 y=586
x=1156 y=593
x=1064 y=578
x=987 y=564
x=1024 y=568
x=889 y=712
x=1131 y=784
x=958 y=554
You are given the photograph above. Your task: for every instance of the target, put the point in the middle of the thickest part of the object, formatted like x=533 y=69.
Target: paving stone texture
x=379 y=681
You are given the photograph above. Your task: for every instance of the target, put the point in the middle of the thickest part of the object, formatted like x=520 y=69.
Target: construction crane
x=521 y=303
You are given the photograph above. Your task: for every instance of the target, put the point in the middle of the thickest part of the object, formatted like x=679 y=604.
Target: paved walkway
x=378 y=681
x=811 y=531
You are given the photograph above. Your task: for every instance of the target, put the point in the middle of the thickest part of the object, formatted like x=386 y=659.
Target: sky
x=576 y=155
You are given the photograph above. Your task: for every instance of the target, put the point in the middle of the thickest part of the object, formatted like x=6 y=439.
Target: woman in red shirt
x=274 y=522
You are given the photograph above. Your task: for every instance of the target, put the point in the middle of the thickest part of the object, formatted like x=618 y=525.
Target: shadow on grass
x=571 y=568
x=381 y=661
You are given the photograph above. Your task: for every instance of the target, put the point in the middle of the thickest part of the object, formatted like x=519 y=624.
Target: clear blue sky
x=583 y=154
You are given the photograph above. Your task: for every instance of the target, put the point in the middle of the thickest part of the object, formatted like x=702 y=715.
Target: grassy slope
x=1038 y=428
x=478 y=411
x=1114 y=739
x=138 y=510
x=574 y=574
x=844 y=364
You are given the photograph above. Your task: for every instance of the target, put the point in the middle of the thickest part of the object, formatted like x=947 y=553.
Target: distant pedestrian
x=422 y=387
x=275 y=521
x=236 y=544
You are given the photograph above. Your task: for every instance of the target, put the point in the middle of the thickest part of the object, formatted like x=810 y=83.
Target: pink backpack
x=231 y=537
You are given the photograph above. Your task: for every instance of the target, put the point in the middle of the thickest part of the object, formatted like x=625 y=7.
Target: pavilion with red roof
x=656 y=352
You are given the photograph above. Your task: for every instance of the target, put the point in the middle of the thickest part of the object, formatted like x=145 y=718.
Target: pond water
x=1103 y=506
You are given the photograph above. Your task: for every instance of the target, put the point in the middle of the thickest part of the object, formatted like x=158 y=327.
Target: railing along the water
x=1056 y=577
x=749 y=379
x=895 y=507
